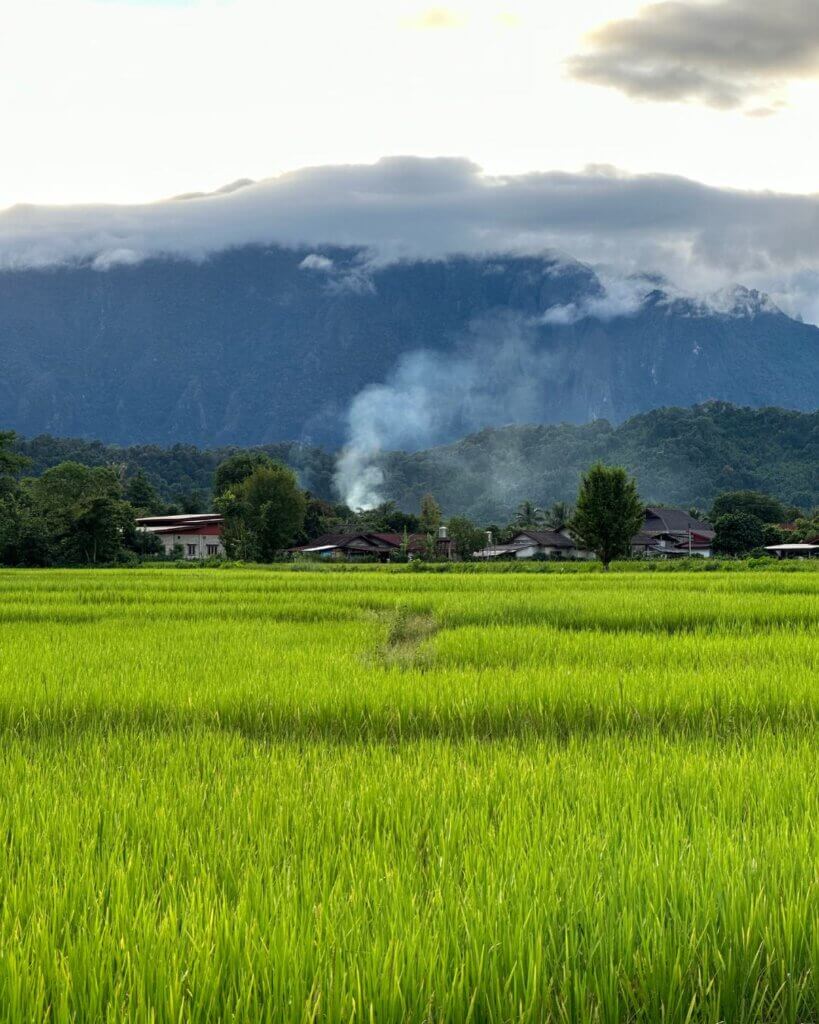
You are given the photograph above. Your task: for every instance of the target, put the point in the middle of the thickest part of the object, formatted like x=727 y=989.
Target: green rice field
x=266 y=795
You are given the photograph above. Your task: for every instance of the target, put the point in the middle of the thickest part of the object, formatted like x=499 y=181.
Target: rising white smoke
x=495 y=376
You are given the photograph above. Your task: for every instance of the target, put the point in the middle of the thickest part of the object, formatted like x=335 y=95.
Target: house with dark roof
x=673 y=533
x=373 y=546
x=535 y=543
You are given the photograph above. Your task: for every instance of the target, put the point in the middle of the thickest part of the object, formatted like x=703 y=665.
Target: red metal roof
x=195 y=530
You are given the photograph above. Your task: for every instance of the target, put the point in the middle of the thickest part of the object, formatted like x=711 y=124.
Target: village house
x=673 y=533
x=535 y=543
x=666 y=532
x=375 y=546
x=194 y=536
x=807 y=549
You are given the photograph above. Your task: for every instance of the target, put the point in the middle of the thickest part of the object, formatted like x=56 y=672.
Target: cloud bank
x=726 y=54
x=700 y=237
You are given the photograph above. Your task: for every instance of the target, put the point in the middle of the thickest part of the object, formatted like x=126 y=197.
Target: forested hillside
x=262 y=344
x=679 y=456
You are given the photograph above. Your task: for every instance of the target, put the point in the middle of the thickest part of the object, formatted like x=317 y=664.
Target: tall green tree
x=11 y=463
x=264 y=513
x=558 y=516
x=96 y=533
x=737 y=533
x=430 y=518
x=529 y=515
x=24 y=540
x=142 y=495
x=608 y=512
x=753 y=503
x=236 y=469
x=82 y=512
x=466 y=536
x=61 y=492
x=386 y=517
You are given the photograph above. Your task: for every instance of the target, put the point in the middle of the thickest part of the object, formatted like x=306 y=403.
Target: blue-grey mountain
x=263 y=344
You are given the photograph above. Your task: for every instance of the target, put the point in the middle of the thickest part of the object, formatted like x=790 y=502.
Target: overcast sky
x=132 y=100
x=676 y=137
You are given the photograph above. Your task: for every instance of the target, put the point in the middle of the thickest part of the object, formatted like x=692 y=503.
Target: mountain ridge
x=260 y=343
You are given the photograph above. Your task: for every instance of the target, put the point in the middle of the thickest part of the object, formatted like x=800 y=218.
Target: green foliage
x=608 y=512
x=143 y=496
x=737 y=533
x=181 y=470
x=236 y=469
x=11 y=461
x=807 y=527
x=430 y=518
x=529 y=515
x=765 y=508
x=680 y=457
x=559 y=515
x=24 y=539
x=466 y=536
x=264 y=513
x=384 y=518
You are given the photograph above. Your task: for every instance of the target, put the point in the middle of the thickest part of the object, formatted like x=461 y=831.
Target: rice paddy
x=254 y=795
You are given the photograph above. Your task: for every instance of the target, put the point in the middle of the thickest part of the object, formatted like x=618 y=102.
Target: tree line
x=680 y=456
x=73 y=514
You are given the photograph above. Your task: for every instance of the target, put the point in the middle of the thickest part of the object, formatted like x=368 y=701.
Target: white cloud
x=726 y=54
x=621 y=297
x=316 y=262
x=701 y=238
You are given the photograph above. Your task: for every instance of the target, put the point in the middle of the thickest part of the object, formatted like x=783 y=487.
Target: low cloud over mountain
x=699 y=237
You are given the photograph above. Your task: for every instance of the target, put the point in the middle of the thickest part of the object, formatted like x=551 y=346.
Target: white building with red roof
x=194 y=536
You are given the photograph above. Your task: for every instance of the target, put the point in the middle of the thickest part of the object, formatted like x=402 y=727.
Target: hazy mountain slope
x=254 y=346
x=680 y=456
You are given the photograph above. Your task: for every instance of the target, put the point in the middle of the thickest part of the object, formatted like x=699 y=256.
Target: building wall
x=570 y=554
x=200 y=543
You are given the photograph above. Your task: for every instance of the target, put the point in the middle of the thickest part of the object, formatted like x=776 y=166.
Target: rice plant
x=388 y=797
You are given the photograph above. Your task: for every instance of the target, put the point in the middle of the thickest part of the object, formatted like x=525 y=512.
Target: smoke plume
x=495 y=376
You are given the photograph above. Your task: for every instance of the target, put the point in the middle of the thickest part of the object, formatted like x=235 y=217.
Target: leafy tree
x=190 y=502
x=737 y=533
x=143 y=543
x=386 y=517
x=11 y=463
x=807 y=527
x=752 y=503
x=264 y=513
x=466 y=536
x=234 y=470
x=529 y=515
x=608 y=512
x=320 y=517
x=96 y=532
x=61 y=490
x=142 y=495
x=23 y=536
x=82 y=512
x=559 y=516
x=430 y=518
